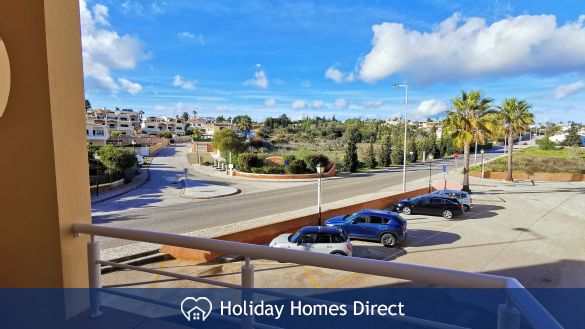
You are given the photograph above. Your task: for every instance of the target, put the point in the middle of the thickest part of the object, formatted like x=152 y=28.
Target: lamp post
x=482 y=152
x=133 y=145
x=405 y=86
x=430 y=169
x=320 y=170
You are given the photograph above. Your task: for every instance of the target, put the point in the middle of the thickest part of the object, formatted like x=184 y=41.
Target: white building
x=125 y=121
x=97 y=134
x=154 y=125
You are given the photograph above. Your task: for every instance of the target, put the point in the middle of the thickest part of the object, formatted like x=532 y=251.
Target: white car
x=463 y=197
x=323 y=239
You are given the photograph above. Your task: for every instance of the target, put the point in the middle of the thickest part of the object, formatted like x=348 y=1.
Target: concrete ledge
x=548 y=177
x=262 y=230
x=101 y=188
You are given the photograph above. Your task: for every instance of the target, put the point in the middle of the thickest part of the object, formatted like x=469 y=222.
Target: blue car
x=374 y=225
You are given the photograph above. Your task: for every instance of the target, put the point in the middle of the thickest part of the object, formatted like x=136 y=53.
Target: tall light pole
x=482 y=151
x=320 y=170
x=405 y=86
x=430 y=171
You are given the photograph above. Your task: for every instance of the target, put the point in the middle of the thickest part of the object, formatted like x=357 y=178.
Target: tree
x=165 y=134
x=243 y=123
x=516 y=117
x=350 y=160
x=196 y=134
x=87 y=105
x=573 y=138
x=185 y=116
x=220 y=119
x=386 y=151
x=226 y=140
x=117 y=160
x=194 y=114
x=371 y=156
x=464 y=121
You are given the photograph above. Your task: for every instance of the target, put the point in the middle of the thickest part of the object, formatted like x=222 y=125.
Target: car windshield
x=346 y=218
x=294 y=237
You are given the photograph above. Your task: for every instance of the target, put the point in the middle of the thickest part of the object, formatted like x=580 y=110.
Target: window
x=324 y=238
x=124 y=125
x=423 y=201
x=377 y=220
x=436 y=201
x=338 y=238
x=309 y=238
x=151 y=127
x=360 y=220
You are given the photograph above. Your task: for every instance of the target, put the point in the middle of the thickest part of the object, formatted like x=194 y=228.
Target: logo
x=196 y=309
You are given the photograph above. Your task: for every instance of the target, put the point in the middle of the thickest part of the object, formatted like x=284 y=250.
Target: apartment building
x=125 y=121
x=97 y=134
x=154 y=125
x=208 y=126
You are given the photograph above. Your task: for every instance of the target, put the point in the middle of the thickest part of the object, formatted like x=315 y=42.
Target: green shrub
x=546 y=144
x=257 y=170
x=165 y=134
x=289 y=157
x=314 y=159
x=297 y=167
x=274 y=170
x=116 y=159
x=249 y=160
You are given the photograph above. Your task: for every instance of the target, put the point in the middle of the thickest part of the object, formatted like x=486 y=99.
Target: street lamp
x=133 y=144
x=430 y=157
x=482 y=152
x=405 y=86
x=320 y=170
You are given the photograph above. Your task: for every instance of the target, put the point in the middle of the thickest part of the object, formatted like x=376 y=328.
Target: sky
x=332 y=58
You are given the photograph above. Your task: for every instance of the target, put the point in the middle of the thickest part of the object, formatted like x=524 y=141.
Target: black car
x=430 y=205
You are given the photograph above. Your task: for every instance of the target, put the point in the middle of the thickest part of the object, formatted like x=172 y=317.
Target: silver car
x=323 y=239
x=463 y=197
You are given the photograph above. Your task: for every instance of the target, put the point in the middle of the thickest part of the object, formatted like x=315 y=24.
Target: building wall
x=46 y=191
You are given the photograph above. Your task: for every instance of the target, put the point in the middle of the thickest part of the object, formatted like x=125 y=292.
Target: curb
x=264 y=180
x=183 y=195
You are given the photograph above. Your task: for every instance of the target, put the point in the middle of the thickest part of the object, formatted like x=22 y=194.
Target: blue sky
x=265 y=58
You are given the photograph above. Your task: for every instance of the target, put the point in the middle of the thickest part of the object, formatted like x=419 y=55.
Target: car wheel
x=339 y=253
x=406 y=210
x=388 y=240
x=466 y=207
x=448 y=214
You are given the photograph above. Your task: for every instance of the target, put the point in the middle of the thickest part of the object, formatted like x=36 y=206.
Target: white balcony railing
x=518 y=301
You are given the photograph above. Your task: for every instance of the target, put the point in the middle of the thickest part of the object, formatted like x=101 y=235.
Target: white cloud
x=429 y=108
x=104 y=49
x=319 y=104
x=305 y=84
x=178 y=81
x=270 y=102
x=198 y=38
x=299 y=104
x=135 y=8
x=339 y=76
x=341 y=103
x=260 y=80
x=565 y=91
x=459 y=48
x=175 y=109
x=132 y=88
x=372 y=104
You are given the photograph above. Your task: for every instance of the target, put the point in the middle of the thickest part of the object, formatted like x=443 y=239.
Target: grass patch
x=532 y=160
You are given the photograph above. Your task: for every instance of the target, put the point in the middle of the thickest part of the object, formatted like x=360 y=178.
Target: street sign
x=444 y=168
x=286 y=162
x=456 y=155
x=185 y=170
x=231 y=166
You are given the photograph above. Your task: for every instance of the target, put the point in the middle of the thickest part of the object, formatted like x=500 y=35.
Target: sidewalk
x=138 y=181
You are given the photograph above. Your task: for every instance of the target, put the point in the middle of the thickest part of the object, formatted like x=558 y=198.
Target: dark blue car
x=374 y=225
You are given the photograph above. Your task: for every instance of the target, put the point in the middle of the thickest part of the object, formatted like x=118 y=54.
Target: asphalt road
x=157 y=206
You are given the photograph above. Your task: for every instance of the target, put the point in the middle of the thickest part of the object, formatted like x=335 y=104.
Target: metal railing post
x=247 y=293
x=508 y=316
x=94 y=270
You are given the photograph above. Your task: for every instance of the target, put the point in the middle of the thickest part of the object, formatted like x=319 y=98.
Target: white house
x=97 y=134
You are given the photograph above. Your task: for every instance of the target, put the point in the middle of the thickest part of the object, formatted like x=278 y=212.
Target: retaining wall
x=105 y=187
x=264 y=234
x=551 y=177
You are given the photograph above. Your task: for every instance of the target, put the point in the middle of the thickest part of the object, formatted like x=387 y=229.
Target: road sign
x=456 y=155
x=286 y=162
x=231 y=166
x=444 y=168
x=185 y=170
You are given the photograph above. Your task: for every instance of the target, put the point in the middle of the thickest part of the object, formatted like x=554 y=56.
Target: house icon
x=197 y=314
x=196 y=309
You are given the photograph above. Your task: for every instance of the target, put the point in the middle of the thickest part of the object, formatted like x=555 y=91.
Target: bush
x=257 y=170
x=165 y=134
x=289 y=157
x=314 y=159
x=297 y=167
x=116 y=160
x=546 y=144
x=274 y=170
x=249 y=160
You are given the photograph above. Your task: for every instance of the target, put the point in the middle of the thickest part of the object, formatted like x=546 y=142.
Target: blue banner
x=283 y=308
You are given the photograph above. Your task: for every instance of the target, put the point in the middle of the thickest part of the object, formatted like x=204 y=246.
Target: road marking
x=310 y=277
x=335 y=283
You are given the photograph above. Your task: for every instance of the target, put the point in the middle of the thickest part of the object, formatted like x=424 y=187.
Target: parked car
x=323 y=239
x=139 y=160
x=375 y=225
x=463 y=197
x=430 y=205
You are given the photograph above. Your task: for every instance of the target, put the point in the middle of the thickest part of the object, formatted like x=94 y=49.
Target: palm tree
x=516 y=117
x=467 y=120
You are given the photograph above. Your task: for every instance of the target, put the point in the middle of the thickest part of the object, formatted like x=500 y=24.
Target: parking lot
x=531 y=232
